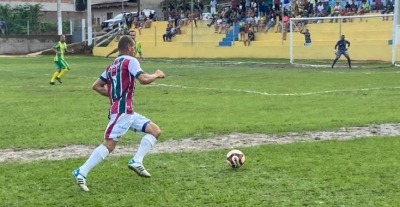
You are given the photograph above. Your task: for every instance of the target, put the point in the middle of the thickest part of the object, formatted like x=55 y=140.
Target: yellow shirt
x=62 y=48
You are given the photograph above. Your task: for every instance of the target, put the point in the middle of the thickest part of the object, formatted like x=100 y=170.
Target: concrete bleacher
x=202 y=36
x=201 y=41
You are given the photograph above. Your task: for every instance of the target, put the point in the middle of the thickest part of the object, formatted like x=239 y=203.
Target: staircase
x=230 y=37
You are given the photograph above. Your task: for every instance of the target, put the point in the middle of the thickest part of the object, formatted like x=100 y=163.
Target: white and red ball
x=235 y=158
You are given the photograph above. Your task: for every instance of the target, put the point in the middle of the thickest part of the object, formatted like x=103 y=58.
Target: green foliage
x=20 y=16
x=51 y=27
x=17 y=17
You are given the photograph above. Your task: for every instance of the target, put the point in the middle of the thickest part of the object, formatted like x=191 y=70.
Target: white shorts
x=120 y=123
x=286 y=6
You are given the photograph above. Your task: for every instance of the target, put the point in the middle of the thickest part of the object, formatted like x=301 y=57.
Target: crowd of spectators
x=260 y=16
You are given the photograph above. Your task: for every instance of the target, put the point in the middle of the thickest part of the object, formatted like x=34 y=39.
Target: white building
x=107 y=9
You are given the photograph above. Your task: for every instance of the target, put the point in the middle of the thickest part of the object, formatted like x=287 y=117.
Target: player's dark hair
x=124 y=42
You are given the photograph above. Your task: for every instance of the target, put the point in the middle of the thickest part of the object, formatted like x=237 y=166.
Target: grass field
x=202 y=100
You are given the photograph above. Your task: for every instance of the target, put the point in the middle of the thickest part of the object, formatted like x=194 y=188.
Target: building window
x=109 y=15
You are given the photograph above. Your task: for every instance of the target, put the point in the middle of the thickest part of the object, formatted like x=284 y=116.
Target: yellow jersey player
x=60 y=48
x=137 y=49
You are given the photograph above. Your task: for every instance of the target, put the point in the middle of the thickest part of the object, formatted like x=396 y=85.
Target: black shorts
x=241 y=29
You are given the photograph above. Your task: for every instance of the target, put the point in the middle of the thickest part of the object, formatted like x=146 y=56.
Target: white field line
x=275 y=94
x=234 y=90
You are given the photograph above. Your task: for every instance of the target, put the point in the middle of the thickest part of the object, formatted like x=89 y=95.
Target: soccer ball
x=235 y=158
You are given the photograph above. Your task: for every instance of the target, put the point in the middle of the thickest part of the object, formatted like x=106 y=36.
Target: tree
x=18 y=17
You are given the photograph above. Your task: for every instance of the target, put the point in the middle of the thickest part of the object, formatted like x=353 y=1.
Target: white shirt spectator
x=249 y=20
x=337 y=8
x=213 y=6
x=253 y=4
x=256 y=19
x=320 y=8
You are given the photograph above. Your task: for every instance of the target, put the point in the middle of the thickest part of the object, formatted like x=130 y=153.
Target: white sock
x=145 y=146
x=98 y=155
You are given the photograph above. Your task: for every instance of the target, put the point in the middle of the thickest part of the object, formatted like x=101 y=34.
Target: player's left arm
x=99 y=85
x=348 y=43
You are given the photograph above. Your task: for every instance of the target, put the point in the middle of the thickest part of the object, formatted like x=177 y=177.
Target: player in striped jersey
x=120 y=78
x=138 y=46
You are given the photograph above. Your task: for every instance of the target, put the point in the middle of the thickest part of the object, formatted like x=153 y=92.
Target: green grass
x=37 y=115
x=362 y=173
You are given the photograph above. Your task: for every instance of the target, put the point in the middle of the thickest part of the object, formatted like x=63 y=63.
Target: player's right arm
x=99 y=85
x=337 y=44
x=112 y=52
x=55 y=46
x=144 y=78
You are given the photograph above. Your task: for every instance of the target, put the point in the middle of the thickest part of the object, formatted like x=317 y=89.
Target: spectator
x=327 y=9
x=261 y=23
x=242 y=5
x=250 y=37
x=212 y=21
x=364 y=8
x=167 y=35
x=3 y=27
x=319 y=12
x=172 y=18
x=194 y=17
x=242 y=28
x=213 y=6
x=272 y=21
x=389 y=8
x=353 y=10
x=226 y=25
x=253 y=5
x=282 y=25
x=247 y=5
x=285 y=25
x=183 y=19
x=219 y=24
x=264 y=7
x=336 y=11
x=286 y=4
x=270 y=6
x=200 y=8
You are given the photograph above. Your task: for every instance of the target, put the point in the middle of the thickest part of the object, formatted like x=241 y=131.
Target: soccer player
x=61 y=64
x=342 y=50
x=120 y=78
x=307 y=37
x=138 y=46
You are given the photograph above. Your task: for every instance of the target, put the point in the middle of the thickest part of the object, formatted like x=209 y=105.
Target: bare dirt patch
x=234 y=140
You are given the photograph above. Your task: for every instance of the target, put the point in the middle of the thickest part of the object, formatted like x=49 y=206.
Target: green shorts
x=61 y=64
